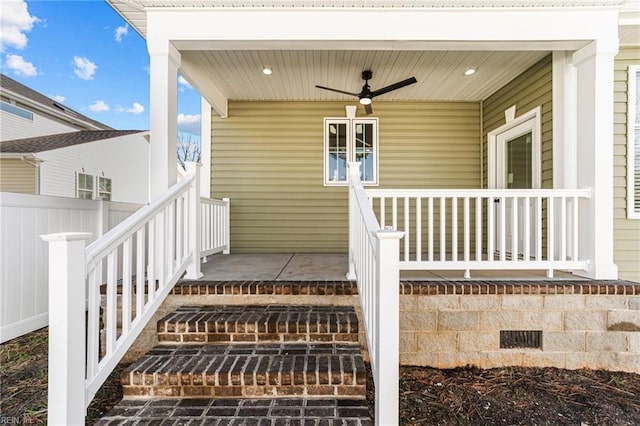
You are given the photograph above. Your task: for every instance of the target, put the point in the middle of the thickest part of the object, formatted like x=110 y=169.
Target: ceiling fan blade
x=368 y=110
x=395 y=86
x=337 y=91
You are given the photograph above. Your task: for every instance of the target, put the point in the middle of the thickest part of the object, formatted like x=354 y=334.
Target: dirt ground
x=463 y=396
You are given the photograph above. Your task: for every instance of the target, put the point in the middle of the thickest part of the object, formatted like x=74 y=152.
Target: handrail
x=145 y=255
x=373 y=263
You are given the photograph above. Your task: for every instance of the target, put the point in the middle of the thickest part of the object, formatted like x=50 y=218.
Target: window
x=12 y=109
x=84 y=186
x=348 y=140
x=104 y=188
x=633 y=143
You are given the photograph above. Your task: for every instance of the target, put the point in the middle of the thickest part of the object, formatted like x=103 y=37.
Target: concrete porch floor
x=333 y=267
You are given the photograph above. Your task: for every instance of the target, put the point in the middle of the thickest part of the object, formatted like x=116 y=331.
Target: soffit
x=440 y=74
x=133 y=11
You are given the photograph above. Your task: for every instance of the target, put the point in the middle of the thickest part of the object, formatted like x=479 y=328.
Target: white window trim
x=93 y=185
x=99 y=193
x=351 y=130
x=631 y=130
x=14 y=114
x=529 y=122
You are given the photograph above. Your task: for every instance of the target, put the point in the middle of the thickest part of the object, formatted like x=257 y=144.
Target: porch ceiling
x=440 y=74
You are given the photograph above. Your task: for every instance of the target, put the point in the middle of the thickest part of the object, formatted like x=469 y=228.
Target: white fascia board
x=383 y=25
x=199 y=80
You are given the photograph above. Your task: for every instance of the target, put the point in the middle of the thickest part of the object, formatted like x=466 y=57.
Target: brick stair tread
x=242 y=323
x=248 y=370
x=257 y=412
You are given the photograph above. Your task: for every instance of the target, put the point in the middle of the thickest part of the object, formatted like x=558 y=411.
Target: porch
x=333 y=267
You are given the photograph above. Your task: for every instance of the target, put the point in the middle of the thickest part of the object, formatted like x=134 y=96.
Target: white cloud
x=15 y=21
x=120 y=32
x=183 y=82
x=58 y=98
x=136 y=109
x=188 y=123
x=84 y=68
x=20 y=66
x=99 y=106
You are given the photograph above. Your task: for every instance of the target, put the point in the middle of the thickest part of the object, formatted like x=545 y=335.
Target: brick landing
x=254 y=412
x=275 y=323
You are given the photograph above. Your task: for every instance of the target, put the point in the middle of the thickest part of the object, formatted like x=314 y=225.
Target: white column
x=205 y=148
x=564 y=120
x=594 y=154
x=67 y=348
x=163 y=106
x=194 y=222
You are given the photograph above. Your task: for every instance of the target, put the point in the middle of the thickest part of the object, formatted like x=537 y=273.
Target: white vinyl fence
x=24 y=258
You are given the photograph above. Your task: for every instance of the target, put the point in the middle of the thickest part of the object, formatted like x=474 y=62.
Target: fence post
x=227 y=225
x=388 y=327
x=67 y=346
x=103 y=217
x=193 y=222
x=354 y=176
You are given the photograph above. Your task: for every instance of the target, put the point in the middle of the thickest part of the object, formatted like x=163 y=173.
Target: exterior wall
x=529 y=90
x=14 y=127
x=125 y=160
x=595 y=331
x=626 y=231
x=18 y=176
x=267 y=157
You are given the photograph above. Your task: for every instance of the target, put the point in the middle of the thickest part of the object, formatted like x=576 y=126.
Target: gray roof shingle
x=9 y=84
x=61 y=140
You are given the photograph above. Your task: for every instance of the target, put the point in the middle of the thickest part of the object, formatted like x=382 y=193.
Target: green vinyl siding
x=531 y=89
x=626 y=232
x=267 y=157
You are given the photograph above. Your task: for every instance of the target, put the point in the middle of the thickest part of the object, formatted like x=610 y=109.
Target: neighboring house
x=89 y=164
x=550 y=105
x=49 y=149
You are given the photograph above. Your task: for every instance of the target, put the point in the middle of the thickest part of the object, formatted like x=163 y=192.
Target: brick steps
x=273 y=323
x=248 y=370
x=259 y=412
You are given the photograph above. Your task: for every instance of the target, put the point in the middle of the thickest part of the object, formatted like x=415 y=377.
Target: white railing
x=215 y=226
x=24 y=282
x=466 y=229
x=145 y=256
x=373 y=263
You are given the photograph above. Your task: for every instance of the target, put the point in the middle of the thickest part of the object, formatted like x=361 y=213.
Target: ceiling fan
x=366 y=95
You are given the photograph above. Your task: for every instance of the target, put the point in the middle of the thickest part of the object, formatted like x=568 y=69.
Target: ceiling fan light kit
x=366 y=94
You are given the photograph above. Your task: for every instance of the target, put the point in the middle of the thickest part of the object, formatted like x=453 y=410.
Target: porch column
x=594 y=154
x=163 y=119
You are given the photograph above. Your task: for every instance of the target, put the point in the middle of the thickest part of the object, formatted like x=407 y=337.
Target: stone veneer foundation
x=584 y=324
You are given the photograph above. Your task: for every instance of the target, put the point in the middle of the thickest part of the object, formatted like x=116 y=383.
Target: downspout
x=34 y=161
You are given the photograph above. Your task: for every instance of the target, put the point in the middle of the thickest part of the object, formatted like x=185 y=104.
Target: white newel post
x=165 y=61
x=388 y=318
x=193 y=270
x=67 y=348
x=353 y=170
x=595 y=65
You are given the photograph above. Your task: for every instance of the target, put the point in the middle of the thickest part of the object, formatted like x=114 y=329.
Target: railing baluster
x=394 y=212
x=538 y=229
x=126 y=285
x=406 y=229
x=140 y=268
x=443 y=230
x=503 y=228
x=153 y=261
x=93 y=323
x=418 y=229
x=383 y=214
x=574 y=229
x=551 y=241
x=527 y=229
x=479 y=228
x=563 y=229
x=454 y=229
x=466 y=224
x=515 y=251
x=430 y=228
x=111 y=308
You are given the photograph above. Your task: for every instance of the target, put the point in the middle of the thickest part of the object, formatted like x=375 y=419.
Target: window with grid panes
x=84 y=186
x=348 y=140
x=633 y=143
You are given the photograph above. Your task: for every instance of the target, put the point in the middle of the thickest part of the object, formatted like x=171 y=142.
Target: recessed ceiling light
x=267 y=71
x=470 y=71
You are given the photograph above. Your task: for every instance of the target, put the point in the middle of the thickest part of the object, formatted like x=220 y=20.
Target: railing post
x=388 y=327
x=103 y=218
x=353 y=171
x=227 y=226
x=67 y=347
x=193 y=222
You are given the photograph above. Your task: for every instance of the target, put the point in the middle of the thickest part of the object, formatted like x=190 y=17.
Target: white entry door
x=517 y=166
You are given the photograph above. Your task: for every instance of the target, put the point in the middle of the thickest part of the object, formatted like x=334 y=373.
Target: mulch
x=428 y=396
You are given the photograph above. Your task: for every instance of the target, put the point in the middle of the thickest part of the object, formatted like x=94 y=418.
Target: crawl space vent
x=510 y=339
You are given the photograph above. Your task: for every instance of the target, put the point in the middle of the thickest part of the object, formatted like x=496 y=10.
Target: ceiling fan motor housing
x=367 y=74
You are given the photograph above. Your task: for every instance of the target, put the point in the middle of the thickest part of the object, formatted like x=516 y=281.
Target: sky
x=84 y=55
